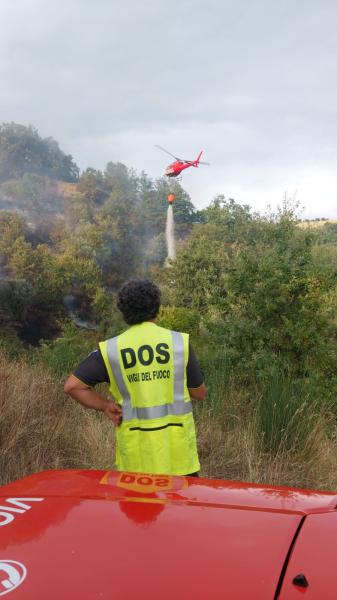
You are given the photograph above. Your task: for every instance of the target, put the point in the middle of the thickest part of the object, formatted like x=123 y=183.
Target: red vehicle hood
x=105 y=535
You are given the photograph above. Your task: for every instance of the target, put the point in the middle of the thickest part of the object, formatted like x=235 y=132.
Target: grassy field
x=314 y=224
x=278 y=436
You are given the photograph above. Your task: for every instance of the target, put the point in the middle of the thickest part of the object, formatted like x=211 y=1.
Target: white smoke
x=170 y=241
x=70 y=303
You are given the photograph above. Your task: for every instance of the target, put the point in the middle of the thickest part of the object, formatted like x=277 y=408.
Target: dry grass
x=231 y=447
x=67 y=189
x=314 y=224
x=40 y=428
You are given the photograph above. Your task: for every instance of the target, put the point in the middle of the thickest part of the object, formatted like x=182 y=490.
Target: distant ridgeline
x=23 y=151
x=30 y=168
x=64 y=233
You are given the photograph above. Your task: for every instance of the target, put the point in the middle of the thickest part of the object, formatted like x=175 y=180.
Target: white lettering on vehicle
x=14 y=506
x=12 y=574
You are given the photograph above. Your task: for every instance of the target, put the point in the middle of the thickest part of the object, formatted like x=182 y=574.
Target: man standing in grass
x=153 y=374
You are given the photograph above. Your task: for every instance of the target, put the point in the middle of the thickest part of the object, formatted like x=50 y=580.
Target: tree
x=93 y=187
x=197 y=279
x=120 y=180
x=256 y=285
x=22 y=151
x=12 y=227
x=231 y=217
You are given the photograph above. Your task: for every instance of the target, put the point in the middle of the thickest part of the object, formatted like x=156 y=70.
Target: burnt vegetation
x=63 y=234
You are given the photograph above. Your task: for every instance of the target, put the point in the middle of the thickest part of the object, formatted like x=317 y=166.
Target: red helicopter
x=175 y=168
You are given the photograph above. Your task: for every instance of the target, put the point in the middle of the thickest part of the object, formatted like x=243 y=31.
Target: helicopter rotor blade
x=187 y=162
x=167 y=152
x=192 y=162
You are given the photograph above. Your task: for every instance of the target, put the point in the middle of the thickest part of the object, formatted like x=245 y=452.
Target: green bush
x=180 y=319
x=63 y=354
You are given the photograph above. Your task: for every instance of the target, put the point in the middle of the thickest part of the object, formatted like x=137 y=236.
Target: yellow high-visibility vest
x=147 y=371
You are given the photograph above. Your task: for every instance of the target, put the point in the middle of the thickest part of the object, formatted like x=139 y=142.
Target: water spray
x=170 y=240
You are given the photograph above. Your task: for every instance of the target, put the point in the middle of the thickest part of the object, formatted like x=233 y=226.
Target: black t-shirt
x=92 y=370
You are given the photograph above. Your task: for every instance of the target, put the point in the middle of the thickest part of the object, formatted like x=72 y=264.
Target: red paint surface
x=314 y=555
x=113 y=535
x=175 y=168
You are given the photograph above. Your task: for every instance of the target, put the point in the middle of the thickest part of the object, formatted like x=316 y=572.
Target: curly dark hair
x=139 y=300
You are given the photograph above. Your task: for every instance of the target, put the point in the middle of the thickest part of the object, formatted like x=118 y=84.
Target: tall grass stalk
x=287 y=414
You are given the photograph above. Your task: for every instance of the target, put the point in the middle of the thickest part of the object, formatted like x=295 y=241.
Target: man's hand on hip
x=89 y=398
x=114 y=412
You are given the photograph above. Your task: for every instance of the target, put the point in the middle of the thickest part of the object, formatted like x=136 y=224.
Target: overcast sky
x=251 y=82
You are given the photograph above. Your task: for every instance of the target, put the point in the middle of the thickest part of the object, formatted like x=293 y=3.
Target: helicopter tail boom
x=198 y=159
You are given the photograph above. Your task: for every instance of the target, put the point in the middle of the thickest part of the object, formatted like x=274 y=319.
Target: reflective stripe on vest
x=178 y=407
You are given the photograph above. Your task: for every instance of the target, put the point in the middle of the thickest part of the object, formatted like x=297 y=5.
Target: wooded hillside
x=257 y=293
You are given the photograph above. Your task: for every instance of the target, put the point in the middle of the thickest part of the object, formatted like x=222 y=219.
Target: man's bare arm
x=89 y=398
x=198 y=393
